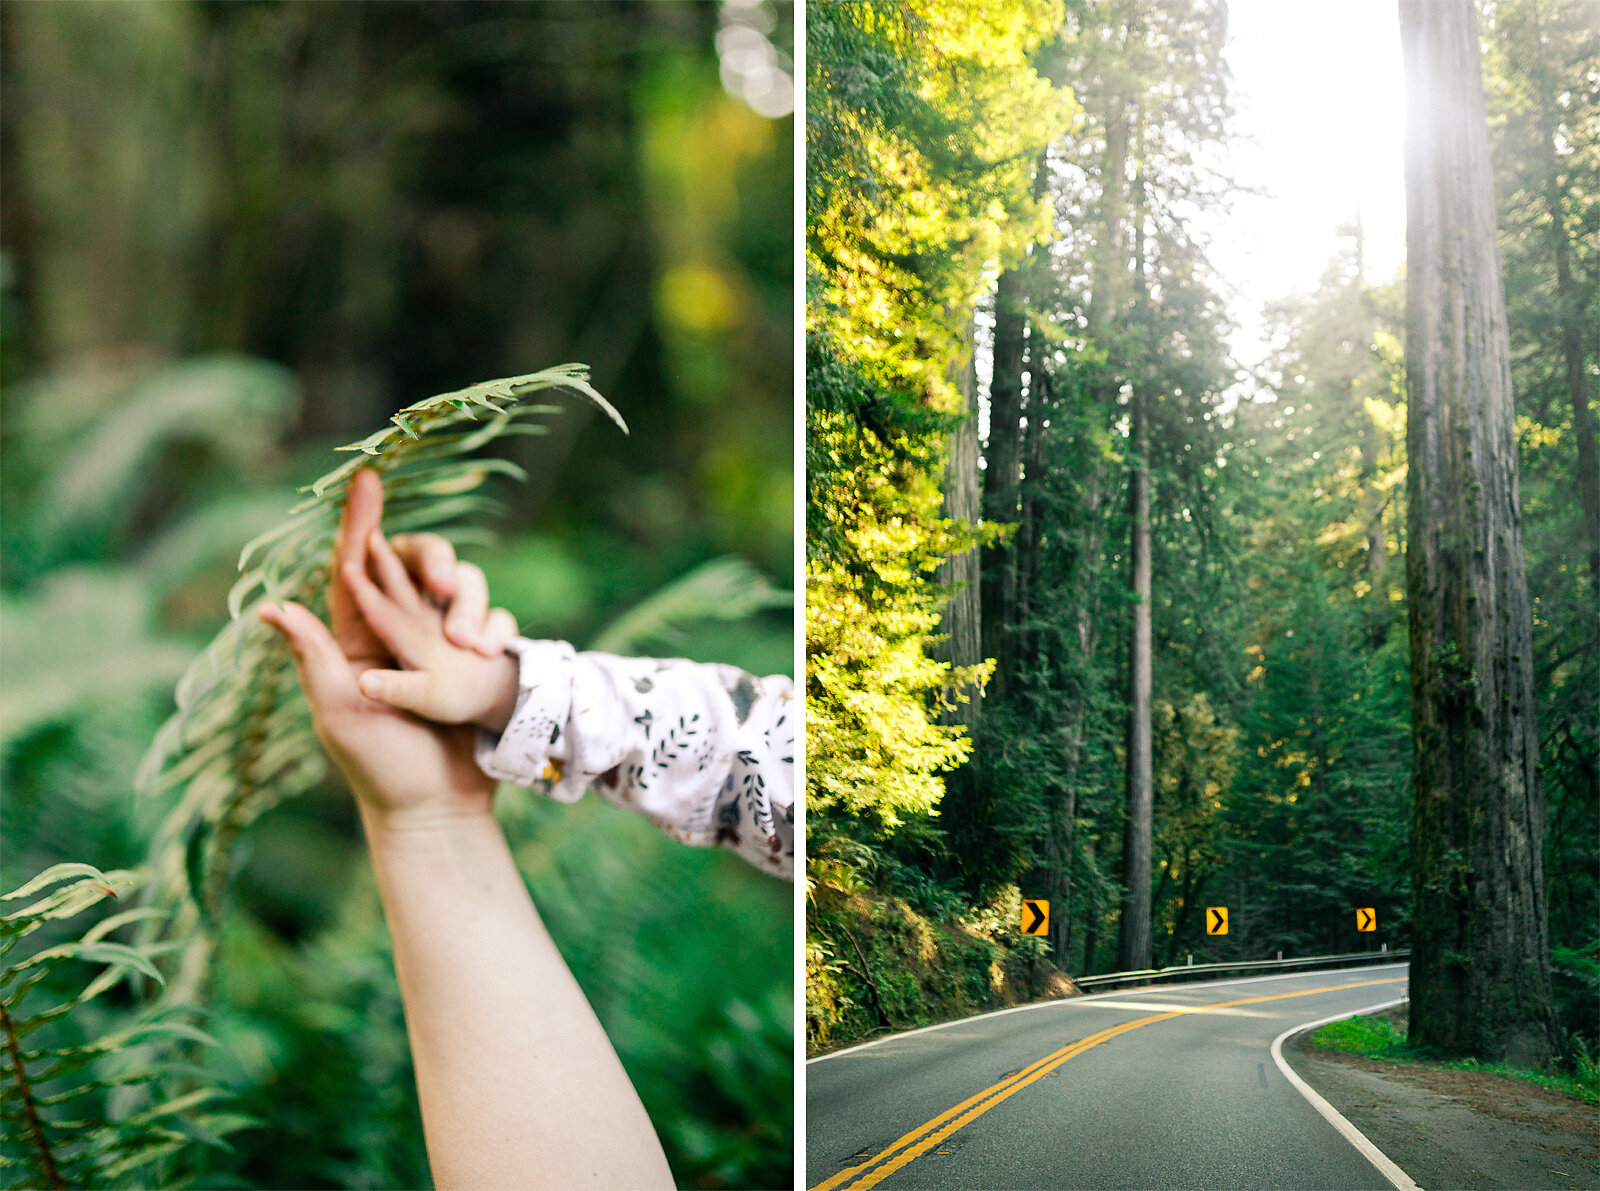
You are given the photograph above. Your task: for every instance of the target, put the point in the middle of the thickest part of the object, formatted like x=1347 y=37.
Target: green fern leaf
x=241 y=740
x=59 y=1130
x=723 y=589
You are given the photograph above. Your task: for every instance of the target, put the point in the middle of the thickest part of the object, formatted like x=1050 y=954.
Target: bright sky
x=1320 y=125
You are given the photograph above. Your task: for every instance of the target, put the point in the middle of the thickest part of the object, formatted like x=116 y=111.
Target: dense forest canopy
x=1172 y=665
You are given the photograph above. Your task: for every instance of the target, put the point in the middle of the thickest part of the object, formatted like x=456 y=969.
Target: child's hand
x=439 y=679
x=460 y=589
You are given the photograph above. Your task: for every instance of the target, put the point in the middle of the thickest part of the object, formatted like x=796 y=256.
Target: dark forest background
x=1093 y=615
x=235 y=235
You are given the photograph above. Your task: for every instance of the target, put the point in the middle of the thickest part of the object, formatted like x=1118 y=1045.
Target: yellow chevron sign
x=1035 y=917
x=1216 y=920
x=1367 y=920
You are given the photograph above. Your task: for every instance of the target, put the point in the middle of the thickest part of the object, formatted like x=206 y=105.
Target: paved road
x=1152 y=1089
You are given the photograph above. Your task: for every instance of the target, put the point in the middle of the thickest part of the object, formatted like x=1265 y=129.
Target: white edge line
x=1091 y=999
x=1399 y=1178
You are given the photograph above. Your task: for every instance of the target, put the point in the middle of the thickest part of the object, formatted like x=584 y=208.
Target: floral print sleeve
x=704 y=751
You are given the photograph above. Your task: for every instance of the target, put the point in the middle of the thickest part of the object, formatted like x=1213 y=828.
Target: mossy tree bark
x=1480 y=977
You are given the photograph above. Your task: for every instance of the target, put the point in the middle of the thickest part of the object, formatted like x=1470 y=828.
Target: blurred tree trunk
x=1480 y=976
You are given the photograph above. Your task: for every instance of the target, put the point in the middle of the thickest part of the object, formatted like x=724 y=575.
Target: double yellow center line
x=924 y=1137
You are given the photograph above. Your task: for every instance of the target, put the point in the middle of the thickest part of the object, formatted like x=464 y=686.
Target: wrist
x=407 y=827
x=498 y=714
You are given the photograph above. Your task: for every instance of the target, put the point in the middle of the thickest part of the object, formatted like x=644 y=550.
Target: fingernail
x=371 y=685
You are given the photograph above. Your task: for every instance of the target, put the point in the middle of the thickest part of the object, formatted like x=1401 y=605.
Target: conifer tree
x=1480 y=975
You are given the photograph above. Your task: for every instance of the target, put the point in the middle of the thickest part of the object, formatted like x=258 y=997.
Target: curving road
x=1150 y=1089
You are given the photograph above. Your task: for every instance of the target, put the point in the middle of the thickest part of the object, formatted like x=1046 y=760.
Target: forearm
x=519 y=1085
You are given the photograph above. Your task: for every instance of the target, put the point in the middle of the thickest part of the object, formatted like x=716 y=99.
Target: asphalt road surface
x=1150 y=1089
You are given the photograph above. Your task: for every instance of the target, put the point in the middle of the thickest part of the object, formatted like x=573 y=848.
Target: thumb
x=324 y=671
x=408 y=690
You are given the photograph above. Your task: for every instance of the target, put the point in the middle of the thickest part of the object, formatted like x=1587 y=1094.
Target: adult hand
x=403 y=770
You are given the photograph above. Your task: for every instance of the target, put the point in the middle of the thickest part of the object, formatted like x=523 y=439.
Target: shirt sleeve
x=706 y=752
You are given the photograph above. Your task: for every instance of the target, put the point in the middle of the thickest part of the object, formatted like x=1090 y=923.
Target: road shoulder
x=1459 y=1130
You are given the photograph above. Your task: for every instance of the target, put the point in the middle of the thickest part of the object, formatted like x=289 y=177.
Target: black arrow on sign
x=1364 y=920
x=1220 y=920
x=1031 y=918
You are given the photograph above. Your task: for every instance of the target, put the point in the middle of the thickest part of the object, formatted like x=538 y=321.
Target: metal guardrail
x=1110 y=979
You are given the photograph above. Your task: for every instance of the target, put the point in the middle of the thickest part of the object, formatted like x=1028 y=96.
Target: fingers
x=363 y=512
x=408 y=690
x=464 y=620
x=497 y=632
x=397 y=627
x=392 y=574
x=324 y=672
x=431 y=560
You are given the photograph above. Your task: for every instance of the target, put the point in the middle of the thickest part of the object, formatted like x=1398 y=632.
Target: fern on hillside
x=241 y=741
x=59 y=1078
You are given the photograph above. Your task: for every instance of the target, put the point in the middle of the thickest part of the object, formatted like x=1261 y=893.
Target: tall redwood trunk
x=1003 y=454
x=958 y=574
x=1105 y=318
x=1480 y=976
x=1061 y=841
x=1002 y=473
x=1133 y=936
x=1569 y=306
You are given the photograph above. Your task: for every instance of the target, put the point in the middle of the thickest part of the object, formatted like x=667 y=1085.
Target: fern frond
x=234 y=404
x=58 y=1130
x=727 y=588
x=241 y=740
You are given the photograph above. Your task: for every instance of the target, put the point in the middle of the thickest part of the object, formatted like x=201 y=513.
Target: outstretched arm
x=519 y=1085
x=704 y=751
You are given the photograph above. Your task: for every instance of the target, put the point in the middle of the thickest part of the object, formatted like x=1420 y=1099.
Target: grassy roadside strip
x=1382 y=1037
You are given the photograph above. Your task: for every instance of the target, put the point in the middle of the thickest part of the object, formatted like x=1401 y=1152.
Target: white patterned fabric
x=706 y=752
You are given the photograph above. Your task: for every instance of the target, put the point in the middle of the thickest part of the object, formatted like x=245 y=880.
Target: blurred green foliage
x=236 y=234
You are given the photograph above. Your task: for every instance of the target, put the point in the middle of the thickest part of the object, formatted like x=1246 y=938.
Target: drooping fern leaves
x=727 y=588
x=59 y=1126
x=240 y=741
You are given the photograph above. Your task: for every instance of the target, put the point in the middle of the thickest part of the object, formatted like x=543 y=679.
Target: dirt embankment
x=1456 y=1130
